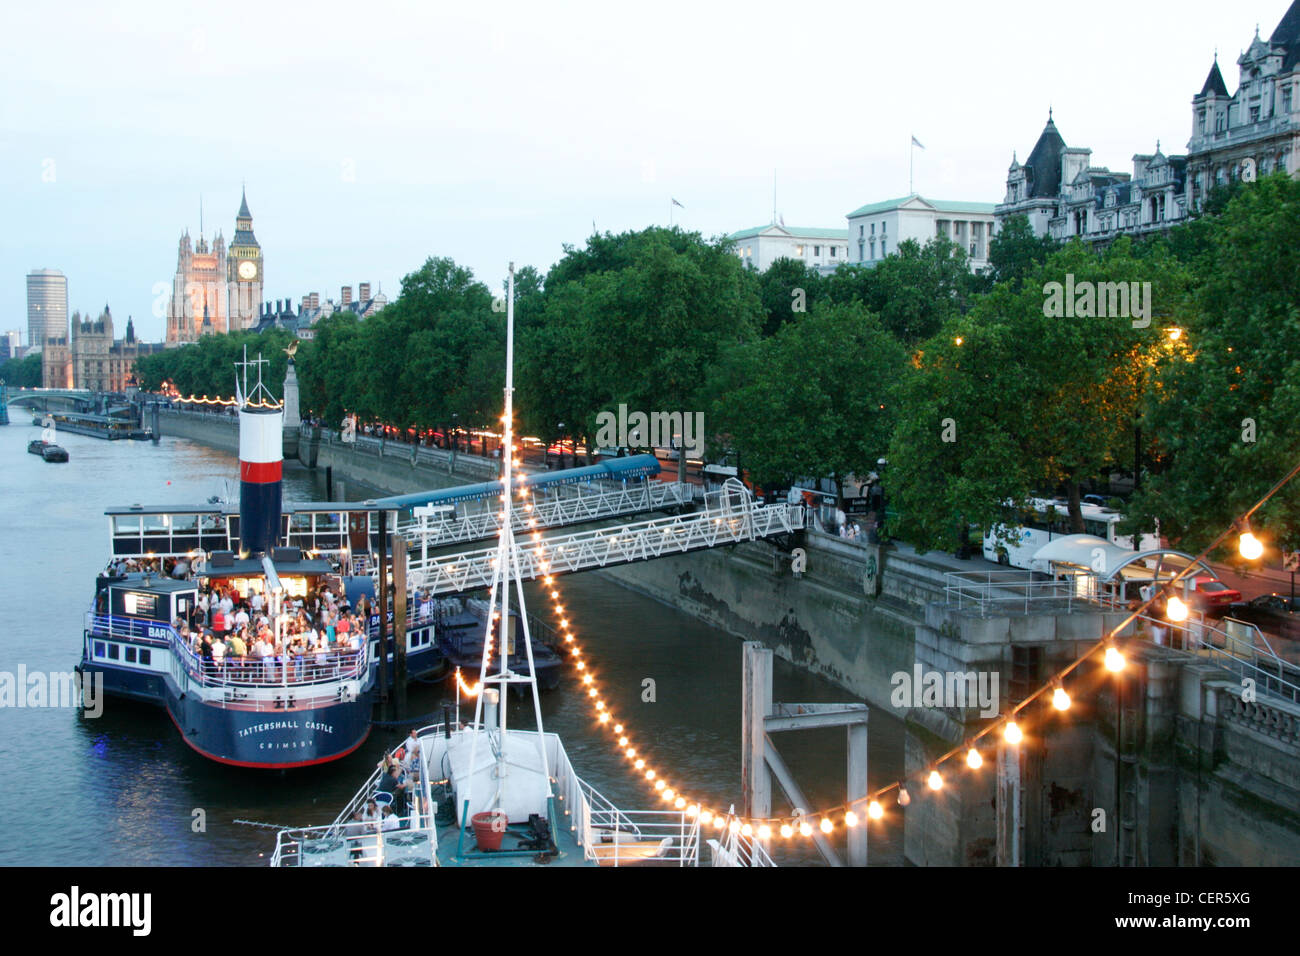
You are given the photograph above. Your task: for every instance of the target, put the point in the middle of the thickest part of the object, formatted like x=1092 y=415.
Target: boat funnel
x=261 y=462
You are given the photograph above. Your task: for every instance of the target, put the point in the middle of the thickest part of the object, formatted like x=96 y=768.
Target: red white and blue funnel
x=261 y=462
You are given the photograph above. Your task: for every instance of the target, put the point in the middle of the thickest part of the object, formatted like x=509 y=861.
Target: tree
x=813 y=400
x=787 y=289
x=1015 y=251
x=23 y=372
x=638 y=319
x=1012 y=399
x=1224 y=413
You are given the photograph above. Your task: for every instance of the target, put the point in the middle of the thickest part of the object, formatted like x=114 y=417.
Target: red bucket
x=489 y=828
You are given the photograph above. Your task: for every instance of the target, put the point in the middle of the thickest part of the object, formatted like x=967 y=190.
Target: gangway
x=729 y=516
x=551 y=506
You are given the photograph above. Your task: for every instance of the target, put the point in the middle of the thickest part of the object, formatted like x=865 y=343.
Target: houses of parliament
x=216 y=290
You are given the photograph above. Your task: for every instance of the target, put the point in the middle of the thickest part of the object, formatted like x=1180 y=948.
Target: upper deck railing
x=283 y=670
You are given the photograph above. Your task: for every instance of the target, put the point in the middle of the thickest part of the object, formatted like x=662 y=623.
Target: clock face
x=248 y=270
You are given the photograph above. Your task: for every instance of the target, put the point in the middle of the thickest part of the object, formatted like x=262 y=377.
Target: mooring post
x=857 y=790
x=756 y=705
x=1008 y=807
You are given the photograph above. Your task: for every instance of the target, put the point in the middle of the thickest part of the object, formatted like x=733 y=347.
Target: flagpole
x=911 y=162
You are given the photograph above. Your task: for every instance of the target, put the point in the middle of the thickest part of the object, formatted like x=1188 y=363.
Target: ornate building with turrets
x=1255 y=131
x=215 y=290
x=1065 y=196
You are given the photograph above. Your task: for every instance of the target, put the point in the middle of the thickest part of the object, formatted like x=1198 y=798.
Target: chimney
x=347 y=295
x=364 y=290
x=315 y=300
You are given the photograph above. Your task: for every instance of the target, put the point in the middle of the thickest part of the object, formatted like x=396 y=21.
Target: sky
x=373 y=136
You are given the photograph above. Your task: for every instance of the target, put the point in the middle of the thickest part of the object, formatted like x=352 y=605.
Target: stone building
x=214 y=290
x=1255 y=131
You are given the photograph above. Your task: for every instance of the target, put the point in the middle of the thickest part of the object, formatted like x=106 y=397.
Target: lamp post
x=560 y=429
x=451 y=462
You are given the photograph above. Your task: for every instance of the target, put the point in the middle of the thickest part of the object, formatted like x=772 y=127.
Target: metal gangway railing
x=730 y=516
x=555 y=507
x=1009 y=592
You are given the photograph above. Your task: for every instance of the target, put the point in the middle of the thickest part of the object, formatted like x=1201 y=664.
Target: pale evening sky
x=372 y=136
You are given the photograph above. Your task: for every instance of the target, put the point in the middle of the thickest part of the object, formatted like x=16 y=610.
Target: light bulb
x=934 y=781
x=719 y=823
x=1060 y=699
x=734 y=826
x=1114 y=660
x=787 y=831
x=764 y=832
x=1176 y=610
x=706 y=816
x=826 y=825
x=850 y=819
x=1012 y=734
x=1250 y=547
x=904 y=798
x=805 y=829
x=746 y=830
x=973 y=759
x=875 y=810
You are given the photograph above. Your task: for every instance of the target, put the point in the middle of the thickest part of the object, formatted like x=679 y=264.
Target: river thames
x=124 y=789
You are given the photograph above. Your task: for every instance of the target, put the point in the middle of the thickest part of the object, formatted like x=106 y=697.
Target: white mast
x=505 y=566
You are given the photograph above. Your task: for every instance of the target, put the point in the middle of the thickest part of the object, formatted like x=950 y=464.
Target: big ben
x=244 y=271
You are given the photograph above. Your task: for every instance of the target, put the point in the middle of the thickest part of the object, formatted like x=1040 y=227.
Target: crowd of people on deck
x=387 y=807
x=238 y=637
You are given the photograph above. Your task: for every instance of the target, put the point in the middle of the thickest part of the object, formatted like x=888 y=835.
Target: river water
x=124 y=789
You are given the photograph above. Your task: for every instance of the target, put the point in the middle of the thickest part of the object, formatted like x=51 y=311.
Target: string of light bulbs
x=848 y=815
x=195 y=400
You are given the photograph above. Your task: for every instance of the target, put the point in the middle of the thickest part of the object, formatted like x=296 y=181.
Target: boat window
x=130 y=655
x=126 y=524
x=300 y=523
x=155 y=524
x=185 y=524
x=112 y=652
x=214 y=523
x=1095 y=528
x=99 y=649
x=145 y=655
x=327 y=521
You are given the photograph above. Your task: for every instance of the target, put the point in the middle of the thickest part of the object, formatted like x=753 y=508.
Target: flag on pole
x=678 y=205
x=916 y=142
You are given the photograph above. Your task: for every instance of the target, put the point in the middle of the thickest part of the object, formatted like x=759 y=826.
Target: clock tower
x=244 y=272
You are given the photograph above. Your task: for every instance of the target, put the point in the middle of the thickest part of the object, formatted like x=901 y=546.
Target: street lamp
x=451 y=464
x=560 y=429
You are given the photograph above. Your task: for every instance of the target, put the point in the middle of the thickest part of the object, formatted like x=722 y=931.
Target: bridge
x=436 y=526
x=53 y=399
x=729 y=517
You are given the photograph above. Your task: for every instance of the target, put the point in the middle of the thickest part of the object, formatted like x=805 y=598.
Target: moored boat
x=53 y=452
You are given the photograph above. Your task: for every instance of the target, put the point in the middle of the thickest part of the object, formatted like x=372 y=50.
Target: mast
x=506 y=566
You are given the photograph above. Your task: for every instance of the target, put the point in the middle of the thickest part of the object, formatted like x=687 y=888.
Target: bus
x=1047 y=519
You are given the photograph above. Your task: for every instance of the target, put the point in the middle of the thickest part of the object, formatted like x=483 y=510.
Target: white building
x=47 y=307
x=877 y=229
x=761 y=246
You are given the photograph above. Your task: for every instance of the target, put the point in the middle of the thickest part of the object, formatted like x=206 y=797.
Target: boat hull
x=282 y=739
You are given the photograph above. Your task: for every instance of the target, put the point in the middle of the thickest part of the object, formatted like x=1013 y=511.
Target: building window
x=833 y=248
x=1218 y=122
x=884 y=227
x=1200 y=119
x=862 y=229
x=817 y=250
x=1254 y=114
x=873 y=228
x=861 y=251
x=798 y=251
x=873 y=248
x=883 y=244
x=1286 y=98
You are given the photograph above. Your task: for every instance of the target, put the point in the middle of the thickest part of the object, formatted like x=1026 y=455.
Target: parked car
x=1274 y=613
x=1214 y=597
